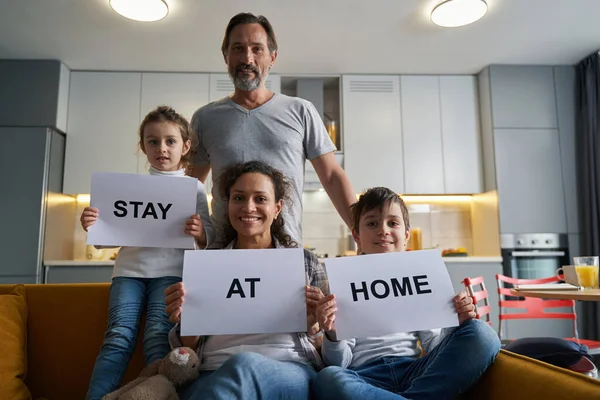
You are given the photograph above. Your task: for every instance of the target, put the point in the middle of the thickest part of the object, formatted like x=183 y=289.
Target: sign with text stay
x=142 y=210
x=243 y=292
x=381 y=294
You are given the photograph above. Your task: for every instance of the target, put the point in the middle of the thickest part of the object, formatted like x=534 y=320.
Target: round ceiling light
x=453 y=13
x=141 y=10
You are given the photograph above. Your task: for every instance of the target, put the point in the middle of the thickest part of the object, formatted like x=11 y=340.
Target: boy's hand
x=195 y=228
x=89 y=216
x=464 y=307
x=313 y=295
x=326 y=312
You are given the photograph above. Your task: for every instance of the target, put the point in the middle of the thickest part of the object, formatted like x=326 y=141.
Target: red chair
x=537 y=308
x=479 y=295
x=584 y=366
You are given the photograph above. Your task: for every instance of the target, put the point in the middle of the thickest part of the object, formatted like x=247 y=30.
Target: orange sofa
x=65 y=325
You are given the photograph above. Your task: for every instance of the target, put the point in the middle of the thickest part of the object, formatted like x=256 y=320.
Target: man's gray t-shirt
x=284 y=132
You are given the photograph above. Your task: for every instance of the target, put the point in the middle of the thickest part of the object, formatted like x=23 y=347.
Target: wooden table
x=582 y=295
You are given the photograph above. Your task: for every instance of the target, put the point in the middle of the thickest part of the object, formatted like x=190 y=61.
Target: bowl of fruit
x=458 y=252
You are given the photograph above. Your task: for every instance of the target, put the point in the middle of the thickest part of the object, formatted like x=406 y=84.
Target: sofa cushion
x=13 y=344
x=555 y=351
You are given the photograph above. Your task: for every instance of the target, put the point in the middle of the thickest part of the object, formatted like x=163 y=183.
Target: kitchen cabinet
x=523 y=97
x=29 y=197
x=103 y=119
x=440 y=129
x=34 y=93
x=529 y=178
x=423 y=128
x=422 y=135
x=461 y=145
x=222 y=86
x=78 y=272
x=372 y=127
x=185 y=92
x=565 y=83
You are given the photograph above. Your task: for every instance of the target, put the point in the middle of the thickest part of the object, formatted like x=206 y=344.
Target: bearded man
x=257 y=124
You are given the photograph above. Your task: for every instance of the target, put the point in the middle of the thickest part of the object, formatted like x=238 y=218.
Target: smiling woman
x=141 y=10
x=255 y=194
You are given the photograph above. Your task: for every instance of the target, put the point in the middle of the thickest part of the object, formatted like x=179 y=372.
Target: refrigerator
x=31 y=165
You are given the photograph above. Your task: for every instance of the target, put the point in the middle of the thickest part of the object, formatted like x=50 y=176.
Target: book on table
x=548 y=286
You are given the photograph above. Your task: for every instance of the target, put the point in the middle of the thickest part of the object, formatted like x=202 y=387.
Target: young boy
x=391 y=366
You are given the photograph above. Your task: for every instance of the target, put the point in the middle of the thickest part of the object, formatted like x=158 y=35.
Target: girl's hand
x=326 y=313
x=195 y=228
x=174 y=295
x=464 y=307
x=89 y=216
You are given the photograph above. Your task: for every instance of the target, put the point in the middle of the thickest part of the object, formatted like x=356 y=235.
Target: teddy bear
x=160 y=380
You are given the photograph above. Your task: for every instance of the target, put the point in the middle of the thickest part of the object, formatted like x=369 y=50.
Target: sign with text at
x=142 y=210
x=381 y=294
x=243 y=292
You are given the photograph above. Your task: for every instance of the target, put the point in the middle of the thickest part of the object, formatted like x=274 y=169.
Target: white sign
x=243 y=292
x=142 y=210
x=381 y=294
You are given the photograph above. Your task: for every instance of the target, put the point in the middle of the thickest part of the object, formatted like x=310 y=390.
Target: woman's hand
x=174 y=295
x=195 y=228
x=89 y=216
x=326 y=313
x=313 y=295
x=464 y=307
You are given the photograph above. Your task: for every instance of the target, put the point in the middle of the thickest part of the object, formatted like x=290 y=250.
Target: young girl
x=142 y=274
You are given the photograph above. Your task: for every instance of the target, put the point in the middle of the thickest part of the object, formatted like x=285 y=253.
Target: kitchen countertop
x=472 y=259
x=79 y=263
x=110 y=263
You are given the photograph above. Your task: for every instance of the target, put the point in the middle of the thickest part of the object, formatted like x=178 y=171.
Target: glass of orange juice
x=587 y=271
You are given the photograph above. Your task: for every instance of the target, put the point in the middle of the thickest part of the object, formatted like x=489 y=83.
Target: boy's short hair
x=378 y=197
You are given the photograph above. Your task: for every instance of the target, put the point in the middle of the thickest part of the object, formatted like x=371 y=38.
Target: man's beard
x=245 y=82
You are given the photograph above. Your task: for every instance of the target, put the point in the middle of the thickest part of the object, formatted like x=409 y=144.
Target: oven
x=533 y=255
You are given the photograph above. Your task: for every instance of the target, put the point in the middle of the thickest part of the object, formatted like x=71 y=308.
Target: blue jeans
x=253 y=376
x=448 y=370
x=128 y=296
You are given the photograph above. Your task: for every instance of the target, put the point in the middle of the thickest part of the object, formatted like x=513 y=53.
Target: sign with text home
x=243 y=292
x=381 y=294
x=142 y=210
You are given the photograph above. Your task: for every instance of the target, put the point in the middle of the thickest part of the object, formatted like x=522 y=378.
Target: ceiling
x=315 y=36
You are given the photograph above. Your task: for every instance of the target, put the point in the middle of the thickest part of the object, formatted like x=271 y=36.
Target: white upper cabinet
x=372 y=131
x=221 y=85
x=414 y=134
x=460 y=135
x=102 y=124
x=185 y=92
x=421 y=130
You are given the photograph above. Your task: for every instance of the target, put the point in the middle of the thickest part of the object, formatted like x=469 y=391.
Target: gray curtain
x=588 y=173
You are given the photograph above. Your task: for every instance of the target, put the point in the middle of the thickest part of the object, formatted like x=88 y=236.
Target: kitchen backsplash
x=80 y=250
x=443 y=225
